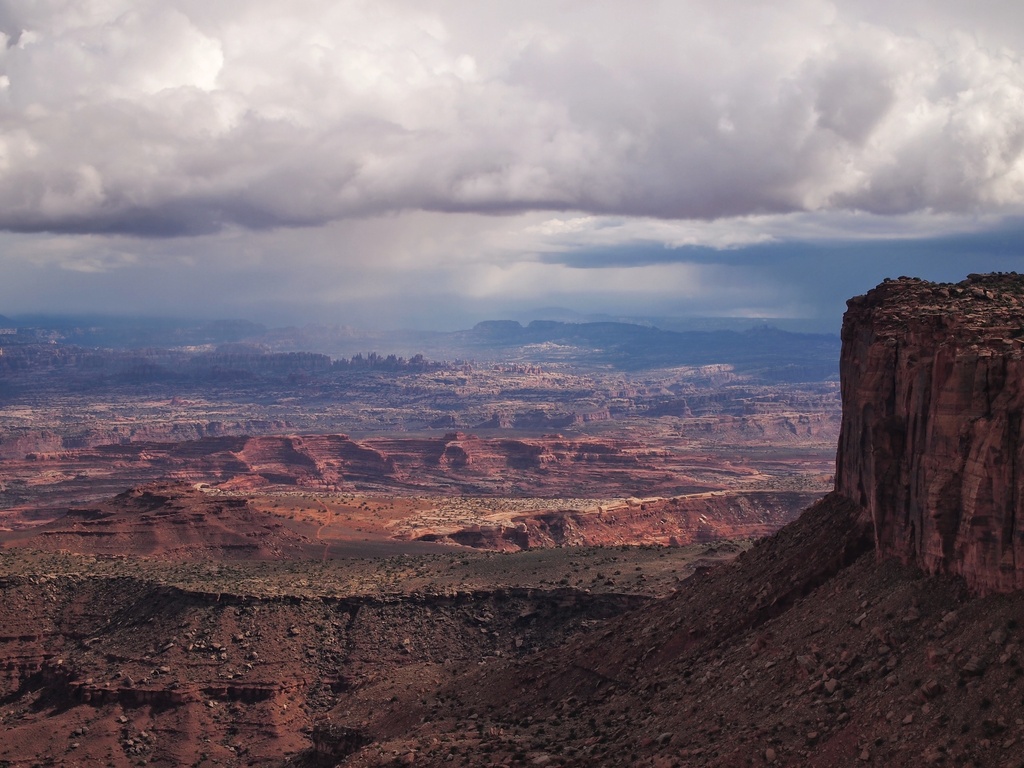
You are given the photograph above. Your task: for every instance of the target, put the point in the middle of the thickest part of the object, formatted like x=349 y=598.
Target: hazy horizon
x=55 y=320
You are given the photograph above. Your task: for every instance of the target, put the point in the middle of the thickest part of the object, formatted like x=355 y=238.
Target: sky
x=432 y=163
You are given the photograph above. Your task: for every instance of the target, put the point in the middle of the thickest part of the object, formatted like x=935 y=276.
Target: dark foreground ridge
x=118 y=670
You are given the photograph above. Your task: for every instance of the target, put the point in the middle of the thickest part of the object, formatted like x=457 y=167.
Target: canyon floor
x=193 y=576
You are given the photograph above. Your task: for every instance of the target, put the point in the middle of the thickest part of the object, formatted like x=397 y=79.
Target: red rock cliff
x=930 y=446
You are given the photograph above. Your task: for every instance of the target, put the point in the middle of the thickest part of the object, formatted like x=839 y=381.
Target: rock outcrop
x=169 y=521
x=930 y=447
x=695 y=519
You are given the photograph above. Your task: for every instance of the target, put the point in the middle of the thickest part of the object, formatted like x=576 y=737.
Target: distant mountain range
x=769 y=352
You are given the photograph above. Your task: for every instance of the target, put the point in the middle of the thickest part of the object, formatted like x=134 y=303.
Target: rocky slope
x=931 y=449
x=125 y=671
x=804 y=652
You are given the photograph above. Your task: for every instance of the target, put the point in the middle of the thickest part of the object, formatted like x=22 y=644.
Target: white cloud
x=178 y=117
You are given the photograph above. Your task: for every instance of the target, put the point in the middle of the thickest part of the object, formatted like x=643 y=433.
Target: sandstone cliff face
x=930 y=445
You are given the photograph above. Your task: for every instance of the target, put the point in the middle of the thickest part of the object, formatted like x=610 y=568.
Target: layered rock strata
x=168 y=520
x=930 y=445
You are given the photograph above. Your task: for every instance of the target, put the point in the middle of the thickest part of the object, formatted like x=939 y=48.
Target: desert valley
x=235 y=555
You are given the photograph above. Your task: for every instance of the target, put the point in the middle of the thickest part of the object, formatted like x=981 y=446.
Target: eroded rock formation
x=931 y=449
x=677 y=521
x=169 y=520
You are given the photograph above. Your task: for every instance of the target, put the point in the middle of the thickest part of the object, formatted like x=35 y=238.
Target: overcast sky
x=435 y=163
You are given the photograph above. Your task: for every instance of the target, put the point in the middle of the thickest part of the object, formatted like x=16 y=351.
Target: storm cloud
x=180 y=117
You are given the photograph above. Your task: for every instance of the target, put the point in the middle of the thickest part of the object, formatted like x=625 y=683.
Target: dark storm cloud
x=180 y=118
x=1003 y=245
x=820 y=275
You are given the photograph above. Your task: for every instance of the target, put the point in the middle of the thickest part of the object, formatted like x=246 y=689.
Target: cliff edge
x=930 y=445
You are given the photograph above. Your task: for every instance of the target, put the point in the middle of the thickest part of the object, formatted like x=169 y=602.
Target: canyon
x=590 y=474
x=507 y=597
x=78 y=425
